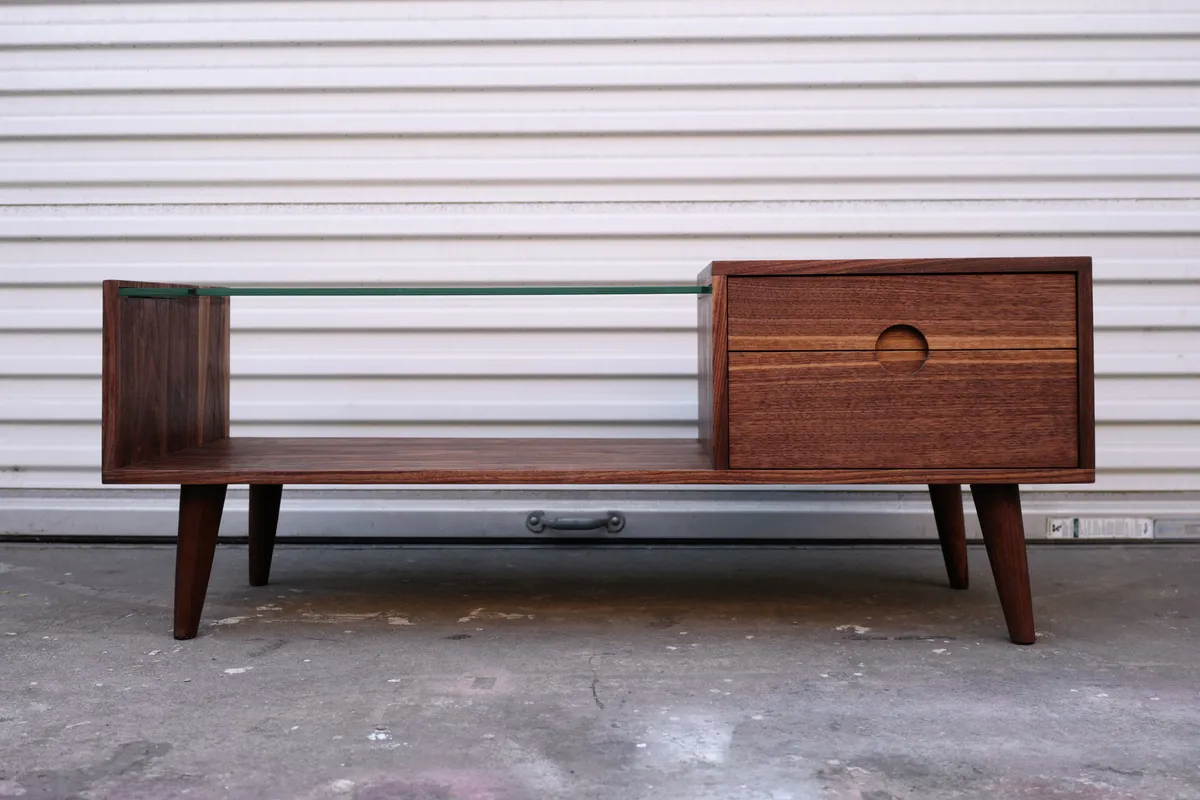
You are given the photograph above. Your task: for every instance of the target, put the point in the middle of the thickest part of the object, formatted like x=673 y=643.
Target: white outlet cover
x=1099 y=528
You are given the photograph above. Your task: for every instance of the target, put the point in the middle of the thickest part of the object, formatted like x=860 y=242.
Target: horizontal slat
x=1149 y=446
x=1044 y=218
x=313 y=399
x=744 y=110
x=614 y=75
x=417 y=344
x=475 y=365
x=649 y=52
x=204 y=117
x=607 y=191
x=1127 y=353
x=373 y=10
x=323 y=263
x=407 y=314
x=479 y=363
x=943 y=150
x=500 y=318
x=598 y=178
x=423 y=170
x=500 y=104
x=129 y=32
x=1141 y=307
x=1146 y=399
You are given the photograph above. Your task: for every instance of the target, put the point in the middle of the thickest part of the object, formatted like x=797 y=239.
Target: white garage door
x=596 y=140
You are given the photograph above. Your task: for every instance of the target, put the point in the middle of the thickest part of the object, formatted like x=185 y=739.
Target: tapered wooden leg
x=199 y=519
x=999 y=508
x=264 y=520
x=952 y=532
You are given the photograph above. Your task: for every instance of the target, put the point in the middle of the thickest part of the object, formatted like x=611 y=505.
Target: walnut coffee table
x=931 y=371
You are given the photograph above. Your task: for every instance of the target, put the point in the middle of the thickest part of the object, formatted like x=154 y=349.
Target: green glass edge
x=409 y=291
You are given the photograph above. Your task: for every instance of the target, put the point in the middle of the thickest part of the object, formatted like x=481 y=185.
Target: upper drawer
x=955 y=312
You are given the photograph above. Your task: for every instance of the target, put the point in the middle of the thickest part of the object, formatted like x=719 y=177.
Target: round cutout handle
x=902 y=350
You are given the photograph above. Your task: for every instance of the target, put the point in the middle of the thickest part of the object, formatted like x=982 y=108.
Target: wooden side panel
x=704 y=372
x=1087 y=370
x=713 y=372
x=954 y=312
x=987 y=409
x=165 y=375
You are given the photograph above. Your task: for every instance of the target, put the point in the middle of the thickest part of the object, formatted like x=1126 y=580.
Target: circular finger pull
x=902 y=350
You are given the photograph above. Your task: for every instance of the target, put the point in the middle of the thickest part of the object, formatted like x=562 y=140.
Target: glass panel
x=410 y=291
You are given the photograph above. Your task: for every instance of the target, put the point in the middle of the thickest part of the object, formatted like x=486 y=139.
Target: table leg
x=264 y=520
x=999 y=508
x=200 y=509
x=952 y=531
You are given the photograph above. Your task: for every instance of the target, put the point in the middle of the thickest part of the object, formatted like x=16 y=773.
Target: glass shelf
x=404 y=291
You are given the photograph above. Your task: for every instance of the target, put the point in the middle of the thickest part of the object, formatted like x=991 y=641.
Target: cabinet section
x=959 y=409
x=1018 y=311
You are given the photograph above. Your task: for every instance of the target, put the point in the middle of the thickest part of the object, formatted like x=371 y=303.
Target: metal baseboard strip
x=653 y=515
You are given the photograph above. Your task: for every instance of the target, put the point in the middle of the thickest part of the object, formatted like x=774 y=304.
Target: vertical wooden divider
x=714 y=373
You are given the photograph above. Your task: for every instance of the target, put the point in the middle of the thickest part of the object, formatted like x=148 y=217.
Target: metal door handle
x=612 y=521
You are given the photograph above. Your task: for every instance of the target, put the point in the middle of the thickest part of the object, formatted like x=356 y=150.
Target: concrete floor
x=504 y=673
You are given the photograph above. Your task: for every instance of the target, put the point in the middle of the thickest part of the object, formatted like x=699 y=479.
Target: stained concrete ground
x=504 y=673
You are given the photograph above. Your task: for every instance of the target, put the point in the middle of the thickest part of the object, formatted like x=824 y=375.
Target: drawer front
x=961 y=410
x=954 y=312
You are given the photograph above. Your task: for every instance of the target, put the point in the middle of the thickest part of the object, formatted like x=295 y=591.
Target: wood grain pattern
x=999 y=509
x=264 y=521
x=965 y=409
x=713 y=372
x=513 y=461
x=953 y=312
x=1087 y=370
x=165 y=374
x=199 y=520
x=952 y=532
x=897 y=266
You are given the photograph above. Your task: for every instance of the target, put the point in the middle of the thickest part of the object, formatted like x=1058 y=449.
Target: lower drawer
x=964 y=409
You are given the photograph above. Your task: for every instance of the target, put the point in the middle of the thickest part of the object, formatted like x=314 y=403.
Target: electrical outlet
x=1099 y=528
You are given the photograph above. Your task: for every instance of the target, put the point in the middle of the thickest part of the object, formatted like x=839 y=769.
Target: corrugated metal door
x=597 y=140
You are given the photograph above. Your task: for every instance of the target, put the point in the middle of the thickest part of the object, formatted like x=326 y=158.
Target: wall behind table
x=599 y=140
